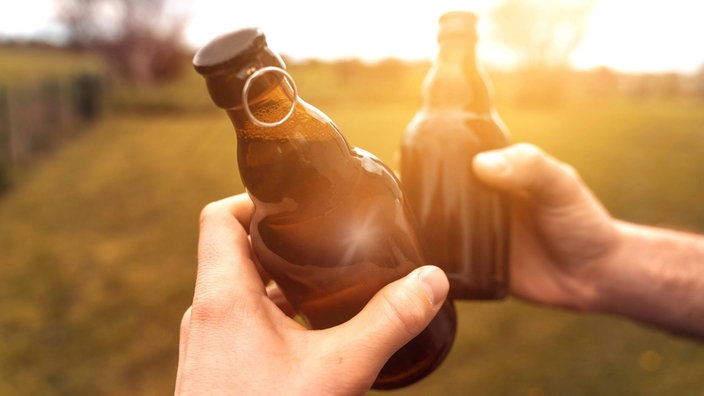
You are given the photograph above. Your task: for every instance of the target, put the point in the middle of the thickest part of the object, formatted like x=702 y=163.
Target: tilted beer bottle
x=464 y=225
x=330 y=224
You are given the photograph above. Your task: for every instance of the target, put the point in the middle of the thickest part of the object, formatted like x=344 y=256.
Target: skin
x=237 y=336
x=567 y=251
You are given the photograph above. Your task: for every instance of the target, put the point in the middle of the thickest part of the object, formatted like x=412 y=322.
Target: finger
x=262 y=272
x=224 y=252
x=242 y=208
x=277 y=296
x=182 y=345
x=394 y=316
x=526 y=168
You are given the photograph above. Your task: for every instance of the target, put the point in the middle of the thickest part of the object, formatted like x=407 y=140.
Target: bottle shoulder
x=445 y=126
x=372 y=166
x=367 y=178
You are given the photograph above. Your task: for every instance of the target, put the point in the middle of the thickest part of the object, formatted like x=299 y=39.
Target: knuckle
x=406 y=313
x=569 y=171
x=528 y=153
x=567 y=178
x=209 y=211
x=209 y=308
x=185 y=321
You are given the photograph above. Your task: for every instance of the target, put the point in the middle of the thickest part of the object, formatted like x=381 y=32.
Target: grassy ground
x=97 y=246
x=32 y=64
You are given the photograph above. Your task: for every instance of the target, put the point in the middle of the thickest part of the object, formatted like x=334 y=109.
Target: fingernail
x=434 y=282
x=494 y=162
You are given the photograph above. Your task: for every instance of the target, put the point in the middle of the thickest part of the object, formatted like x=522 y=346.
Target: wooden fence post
x=87 y=91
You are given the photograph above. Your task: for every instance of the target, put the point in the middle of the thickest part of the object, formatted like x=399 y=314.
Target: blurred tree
x=542 y=34
x=141 y=39
x=601 y=82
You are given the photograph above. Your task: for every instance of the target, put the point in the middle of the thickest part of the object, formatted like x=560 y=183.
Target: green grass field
x=32 y=64
x=98 y=245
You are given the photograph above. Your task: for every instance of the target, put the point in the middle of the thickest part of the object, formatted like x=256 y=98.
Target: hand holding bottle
x=559 y=229
x=568 y=251
x=234 y=338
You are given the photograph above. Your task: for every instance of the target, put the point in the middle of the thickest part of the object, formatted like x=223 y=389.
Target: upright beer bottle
x=330 y=224
x=464 y=224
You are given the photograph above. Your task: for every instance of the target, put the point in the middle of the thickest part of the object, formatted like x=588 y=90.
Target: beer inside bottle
x=330 y=225
x=464 y=224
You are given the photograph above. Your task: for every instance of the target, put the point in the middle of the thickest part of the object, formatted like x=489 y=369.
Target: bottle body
x=330 y=226
x=331 y=229
x=464 y=225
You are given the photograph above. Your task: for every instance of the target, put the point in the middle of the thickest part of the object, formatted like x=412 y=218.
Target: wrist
x=612 y=272
x=593 y=276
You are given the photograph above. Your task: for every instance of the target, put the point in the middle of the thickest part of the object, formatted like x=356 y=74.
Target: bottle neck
x=270 y=100
x=292 y=158
x=304 y=162
x=456 y=80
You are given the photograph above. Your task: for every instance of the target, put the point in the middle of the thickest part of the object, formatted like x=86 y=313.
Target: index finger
x=525 y=167
x=225 y=265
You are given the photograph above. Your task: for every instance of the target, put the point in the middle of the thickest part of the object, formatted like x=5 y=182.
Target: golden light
x=657 y=35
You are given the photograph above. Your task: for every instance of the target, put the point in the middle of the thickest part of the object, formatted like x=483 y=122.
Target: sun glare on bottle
x=360 y=234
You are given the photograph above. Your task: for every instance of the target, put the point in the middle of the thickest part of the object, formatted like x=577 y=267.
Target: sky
x=626 y=35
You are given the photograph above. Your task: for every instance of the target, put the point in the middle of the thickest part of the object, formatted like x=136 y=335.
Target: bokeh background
x=109 y=148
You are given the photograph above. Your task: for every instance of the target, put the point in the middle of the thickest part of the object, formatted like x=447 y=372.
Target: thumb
x=395 y=315
x=527 y=169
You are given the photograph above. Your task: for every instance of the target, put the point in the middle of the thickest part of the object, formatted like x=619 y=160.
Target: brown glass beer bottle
x=330 y=224
x=464 y=225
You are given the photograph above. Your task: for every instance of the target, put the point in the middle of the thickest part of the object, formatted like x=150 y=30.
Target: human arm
x=568 y=251
x=236 y=338
x=657 y=277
